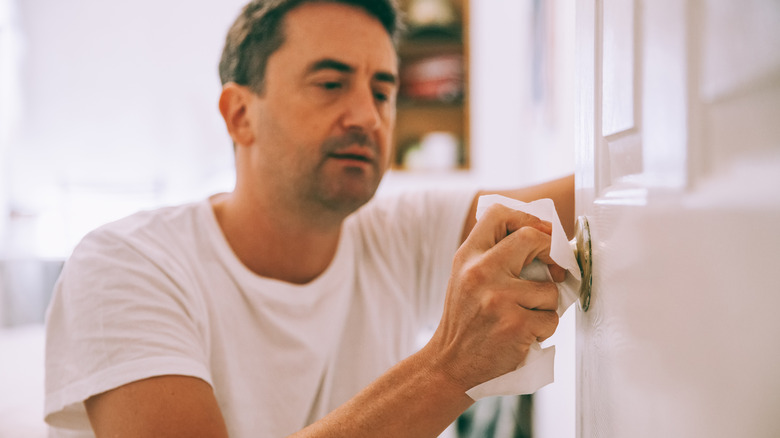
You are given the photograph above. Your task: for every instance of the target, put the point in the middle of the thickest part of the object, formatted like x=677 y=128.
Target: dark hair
x=257 y=33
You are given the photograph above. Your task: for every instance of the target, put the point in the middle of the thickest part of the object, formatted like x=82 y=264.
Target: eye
x=381 y=97
x=331 y=85
x=384 y=94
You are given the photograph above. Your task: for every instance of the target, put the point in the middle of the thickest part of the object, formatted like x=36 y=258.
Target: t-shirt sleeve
x=116 y=316
x=419 y=233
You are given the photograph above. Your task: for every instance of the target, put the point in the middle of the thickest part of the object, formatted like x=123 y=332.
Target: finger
x=558 y=273
x=519 y=249
x=544 y=324
x=498 y=222
x=535 y=295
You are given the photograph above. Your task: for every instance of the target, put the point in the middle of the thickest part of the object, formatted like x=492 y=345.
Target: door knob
x=582 y=252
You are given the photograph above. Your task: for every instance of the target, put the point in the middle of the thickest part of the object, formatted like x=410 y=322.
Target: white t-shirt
x=161 y=293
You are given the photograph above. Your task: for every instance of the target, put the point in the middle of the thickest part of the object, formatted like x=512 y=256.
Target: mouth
x=361 y=154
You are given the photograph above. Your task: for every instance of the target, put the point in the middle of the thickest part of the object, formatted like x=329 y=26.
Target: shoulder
x=138 y=266
x=158 y=227
x=169 y=218
x=144 y=241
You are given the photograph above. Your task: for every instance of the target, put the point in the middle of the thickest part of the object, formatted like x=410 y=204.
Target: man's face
x=324 y=121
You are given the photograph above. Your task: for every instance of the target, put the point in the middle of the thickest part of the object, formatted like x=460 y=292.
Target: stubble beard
x=343 y=191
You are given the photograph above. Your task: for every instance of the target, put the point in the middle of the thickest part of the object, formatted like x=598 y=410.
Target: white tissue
x=538 y=368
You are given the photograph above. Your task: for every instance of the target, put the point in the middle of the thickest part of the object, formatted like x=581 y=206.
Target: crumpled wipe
x=538 y=368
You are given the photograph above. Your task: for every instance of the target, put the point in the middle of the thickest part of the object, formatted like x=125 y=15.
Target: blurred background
x=107 y=108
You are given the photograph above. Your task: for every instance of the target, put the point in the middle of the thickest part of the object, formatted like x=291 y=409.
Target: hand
x=491 y=317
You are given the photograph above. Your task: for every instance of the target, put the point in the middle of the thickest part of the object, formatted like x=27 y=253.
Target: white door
x=678 y=173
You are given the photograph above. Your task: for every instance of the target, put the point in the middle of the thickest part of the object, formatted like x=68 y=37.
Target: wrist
x=442 y=372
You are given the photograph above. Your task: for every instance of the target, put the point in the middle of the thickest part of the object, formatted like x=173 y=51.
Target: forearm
x=415 y=398
x=560 y=190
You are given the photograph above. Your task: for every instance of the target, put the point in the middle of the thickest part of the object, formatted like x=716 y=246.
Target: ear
x=234 y=107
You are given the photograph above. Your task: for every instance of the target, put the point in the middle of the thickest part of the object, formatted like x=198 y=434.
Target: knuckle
x=491 y=302
x=529 y=235
x=461 y=256
x=497 y=210
x=475 y=273
x=525 y=219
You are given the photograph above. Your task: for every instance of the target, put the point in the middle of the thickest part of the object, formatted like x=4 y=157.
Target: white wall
x=8 y=76
x=512 y=143
x=7 y=100
x=119 y=111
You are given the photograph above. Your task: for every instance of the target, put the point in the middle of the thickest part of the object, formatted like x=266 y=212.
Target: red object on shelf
x=435 y=78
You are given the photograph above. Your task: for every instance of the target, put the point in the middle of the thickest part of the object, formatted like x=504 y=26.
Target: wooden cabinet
x=432 y=126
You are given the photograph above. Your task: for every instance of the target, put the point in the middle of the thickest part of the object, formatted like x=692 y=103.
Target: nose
x=361 y=110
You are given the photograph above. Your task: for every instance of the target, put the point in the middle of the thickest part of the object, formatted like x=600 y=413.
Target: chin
x=353 y=203
x=348 y=202
x=346 y=192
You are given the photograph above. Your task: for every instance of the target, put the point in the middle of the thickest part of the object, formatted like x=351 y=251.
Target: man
x=289 y=306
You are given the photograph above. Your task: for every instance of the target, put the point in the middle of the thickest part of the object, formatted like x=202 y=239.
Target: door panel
x=678 y=172
x=620 y=98
x=618 y=66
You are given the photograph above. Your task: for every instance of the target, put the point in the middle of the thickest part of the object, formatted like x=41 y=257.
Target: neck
x=273 y=243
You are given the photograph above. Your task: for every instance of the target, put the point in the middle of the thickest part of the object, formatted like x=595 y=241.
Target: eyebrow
x=332 y=64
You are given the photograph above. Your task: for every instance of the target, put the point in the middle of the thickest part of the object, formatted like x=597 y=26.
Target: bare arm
x=490 y=319
x=561 y=191
x=164 y=407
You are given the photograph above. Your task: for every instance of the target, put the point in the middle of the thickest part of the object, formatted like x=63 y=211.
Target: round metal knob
x=582 y=252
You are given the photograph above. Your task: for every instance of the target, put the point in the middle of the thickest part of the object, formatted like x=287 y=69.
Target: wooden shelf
x=434 y=87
